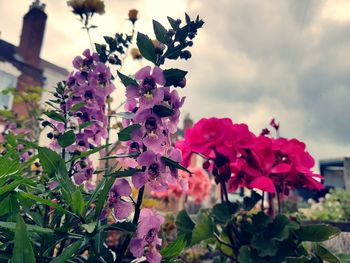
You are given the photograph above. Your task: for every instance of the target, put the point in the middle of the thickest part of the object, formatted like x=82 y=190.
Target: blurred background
x=252 y=61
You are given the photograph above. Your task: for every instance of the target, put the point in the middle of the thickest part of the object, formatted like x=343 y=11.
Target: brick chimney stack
x=32 y=35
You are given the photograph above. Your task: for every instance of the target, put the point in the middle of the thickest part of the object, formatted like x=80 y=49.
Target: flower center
x=151 y=124
x=153 y=170
x=151 y=235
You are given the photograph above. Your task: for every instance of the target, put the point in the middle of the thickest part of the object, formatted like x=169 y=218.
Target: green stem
x=135 y=220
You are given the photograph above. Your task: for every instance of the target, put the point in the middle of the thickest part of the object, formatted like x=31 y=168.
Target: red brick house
x=22 y=66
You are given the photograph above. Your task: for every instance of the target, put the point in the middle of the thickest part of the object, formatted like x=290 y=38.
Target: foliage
x=334 y=206
x=246 y=237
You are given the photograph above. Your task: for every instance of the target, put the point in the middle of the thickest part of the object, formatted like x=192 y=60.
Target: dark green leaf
x=173 y=76
x=317 y=233
x=250 y=202
x=126 y=80
x=102 y=197
x=55 y=116
x=160 y=32
x=53 y=164
x=173 y=23
x=125 y=173
x=162 y=111
x=125 y=134
x=77 y=106
x=66 y=139
x=23 y=250
x=182 y=34
x=41 y=200
x=30 y=228
x=223 y=212
x=183 y=222
x=146 y=47
x=121 y=226
x=174 y=164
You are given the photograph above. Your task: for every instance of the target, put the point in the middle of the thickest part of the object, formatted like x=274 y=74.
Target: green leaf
x=125 y=134
x=174 y=248
x=42 y=201
x=184 y=223
x=174 y=164
x=245 y=255
x=30 y=228
x=182 y=34
x=66 y=139
x=101 y=200
x=301 y=259
x=23 y=250
x=77 y=106
x=162 y=111
x=325 y=254
x=126 y=80
x=204 y=228
x=78 y=202
x=121 y=226
x=55 y=116
x=146 y=47
x=317 y=233
x=173 y=76
x=68 y=252
x=125 y=155
x=250 y=202
x=125 y=173
x=8 y=164
x=53 y=164
x=86 y=124
x=11 y=186
x=223 y=212
x=160 y=32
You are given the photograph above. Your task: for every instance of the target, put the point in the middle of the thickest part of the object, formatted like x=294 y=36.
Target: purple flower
x=152 y=133
x=83 y=171
x=155 y=172
x=173 y=101
x=122 y=209
x=146 y=242
x=147 y=91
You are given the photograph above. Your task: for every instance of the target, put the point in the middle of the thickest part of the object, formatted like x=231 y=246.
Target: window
x=6 y=81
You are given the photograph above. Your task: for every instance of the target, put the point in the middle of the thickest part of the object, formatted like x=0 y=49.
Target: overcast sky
x=252 y=61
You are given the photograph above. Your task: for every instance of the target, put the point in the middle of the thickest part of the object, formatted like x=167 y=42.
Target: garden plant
x=57 y=206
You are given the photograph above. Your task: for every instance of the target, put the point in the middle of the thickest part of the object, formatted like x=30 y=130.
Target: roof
x=8 y=53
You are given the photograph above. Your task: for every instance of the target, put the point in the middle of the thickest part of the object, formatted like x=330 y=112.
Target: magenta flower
x=121 y=208
x=146 y=242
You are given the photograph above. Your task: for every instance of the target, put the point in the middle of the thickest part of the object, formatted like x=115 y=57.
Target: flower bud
x=133 y=13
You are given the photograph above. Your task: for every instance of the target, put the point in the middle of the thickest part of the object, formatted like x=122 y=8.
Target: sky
x=253 y=60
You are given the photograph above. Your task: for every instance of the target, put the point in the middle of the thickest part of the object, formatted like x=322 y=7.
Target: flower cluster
x=199 y=186
x=236 y=156
x=83 y=104
x=153 y=111
x=156 y=111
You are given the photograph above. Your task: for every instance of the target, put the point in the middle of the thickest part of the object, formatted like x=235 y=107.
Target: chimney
x=32 y=34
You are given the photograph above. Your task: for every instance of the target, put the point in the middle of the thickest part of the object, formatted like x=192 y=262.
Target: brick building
x=22 y=66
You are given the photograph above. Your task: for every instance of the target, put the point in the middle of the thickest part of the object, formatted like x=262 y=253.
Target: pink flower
x=146 y=241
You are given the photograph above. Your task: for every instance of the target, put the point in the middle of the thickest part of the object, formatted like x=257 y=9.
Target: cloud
x=253 y=60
